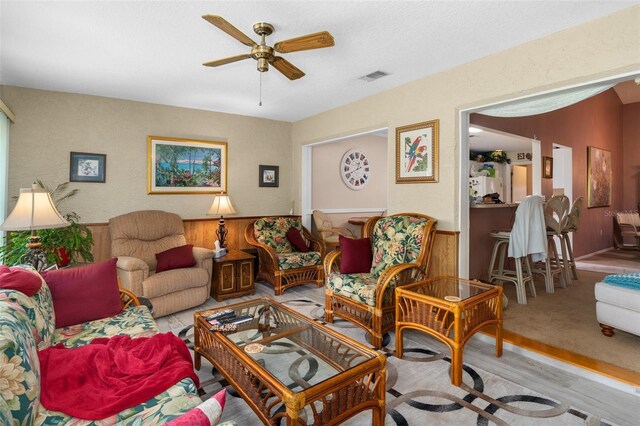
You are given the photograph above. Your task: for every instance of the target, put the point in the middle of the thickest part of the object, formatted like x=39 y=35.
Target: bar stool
x=527 y=236
x=571 y=227
x=556 y=218
x=551 y=266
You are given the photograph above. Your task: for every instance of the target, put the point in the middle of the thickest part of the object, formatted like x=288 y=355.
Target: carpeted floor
x=419 y=390
x=567 y=319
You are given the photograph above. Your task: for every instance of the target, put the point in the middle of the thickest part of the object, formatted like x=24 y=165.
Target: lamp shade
x=34 y=210
x=221 y=206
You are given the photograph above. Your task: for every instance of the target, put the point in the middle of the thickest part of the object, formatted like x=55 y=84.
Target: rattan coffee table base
x=330 y=402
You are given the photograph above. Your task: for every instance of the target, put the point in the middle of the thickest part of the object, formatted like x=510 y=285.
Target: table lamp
x=221 y=206
x=34 y=210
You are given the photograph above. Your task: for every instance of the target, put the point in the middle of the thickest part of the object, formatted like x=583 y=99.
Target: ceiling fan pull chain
x=260 y=104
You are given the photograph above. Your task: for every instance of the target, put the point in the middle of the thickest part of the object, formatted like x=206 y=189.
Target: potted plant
x=71 y=244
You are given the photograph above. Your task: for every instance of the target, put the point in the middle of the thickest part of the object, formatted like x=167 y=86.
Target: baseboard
x=594 y=253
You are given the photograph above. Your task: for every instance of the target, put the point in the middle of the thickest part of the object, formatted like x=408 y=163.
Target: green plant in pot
x=71 y=244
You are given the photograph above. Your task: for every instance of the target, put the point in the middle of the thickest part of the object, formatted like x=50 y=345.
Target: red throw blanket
x=109 y=375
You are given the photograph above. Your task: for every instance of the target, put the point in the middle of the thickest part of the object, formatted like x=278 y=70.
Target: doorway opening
x=324 y=187
x=562 y=182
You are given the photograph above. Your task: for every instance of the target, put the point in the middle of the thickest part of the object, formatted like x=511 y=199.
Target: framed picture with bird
x=417 y=152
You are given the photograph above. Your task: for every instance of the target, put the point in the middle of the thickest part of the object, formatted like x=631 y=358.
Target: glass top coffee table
x=285 y=365
x=451 y=310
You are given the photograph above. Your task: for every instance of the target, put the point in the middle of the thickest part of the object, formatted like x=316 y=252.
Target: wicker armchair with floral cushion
x=280 y=264
x=401 y=246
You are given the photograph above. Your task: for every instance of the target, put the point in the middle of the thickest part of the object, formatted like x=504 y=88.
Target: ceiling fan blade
x=225 y=26
x=307 y=42
x=286 y=68
x=228 y=60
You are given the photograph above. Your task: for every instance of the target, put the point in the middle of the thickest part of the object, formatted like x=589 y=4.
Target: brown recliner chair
x=136 y=238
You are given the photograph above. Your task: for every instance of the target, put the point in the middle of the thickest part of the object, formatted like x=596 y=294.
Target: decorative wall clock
x=355 y=169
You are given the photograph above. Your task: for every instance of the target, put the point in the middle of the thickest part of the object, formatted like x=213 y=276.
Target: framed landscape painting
x=598 y=177
x=186 y=166
x=417 y=152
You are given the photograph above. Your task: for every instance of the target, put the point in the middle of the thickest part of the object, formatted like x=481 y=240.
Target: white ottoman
x=617 y=307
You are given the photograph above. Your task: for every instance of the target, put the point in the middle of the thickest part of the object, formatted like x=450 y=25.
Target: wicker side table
x=451 y=310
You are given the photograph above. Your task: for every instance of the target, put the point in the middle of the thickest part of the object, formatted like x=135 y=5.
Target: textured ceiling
x=152 y=51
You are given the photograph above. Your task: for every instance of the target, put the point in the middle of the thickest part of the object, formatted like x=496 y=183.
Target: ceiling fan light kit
x=263 y=53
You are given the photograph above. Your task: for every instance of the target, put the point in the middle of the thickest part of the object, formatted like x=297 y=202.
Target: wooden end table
x=451 y=310
x=288 y=367
x=232 y=275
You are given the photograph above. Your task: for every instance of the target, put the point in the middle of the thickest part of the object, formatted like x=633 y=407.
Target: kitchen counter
x=484 y=219
x=492 y=206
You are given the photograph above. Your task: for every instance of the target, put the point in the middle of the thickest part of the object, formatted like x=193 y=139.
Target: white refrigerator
x=480 y=186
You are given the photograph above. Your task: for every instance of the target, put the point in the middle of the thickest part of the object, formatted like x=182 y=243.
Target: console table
x=232 y=275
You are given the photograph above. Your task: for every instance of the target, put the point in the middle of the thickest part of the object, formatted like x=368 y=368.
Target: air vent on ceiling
x=373 y=76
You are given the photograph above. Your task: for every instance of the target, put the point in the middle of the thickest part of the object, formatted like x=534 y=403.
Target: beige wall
x=51 y=124
x=328 y=190
x=605 y=47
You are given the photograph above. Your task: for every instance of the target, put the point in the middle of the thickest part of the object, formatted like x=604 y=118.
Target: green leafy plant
x=498 y=156
x=74 y=241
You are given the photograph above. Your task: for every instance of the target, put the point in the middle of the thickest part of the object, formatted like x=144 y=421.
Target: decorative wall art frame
x=417 y=152
x=186 y=166
x=269 y=176
x=87 y=167
x=598 y=177
x=547 y=167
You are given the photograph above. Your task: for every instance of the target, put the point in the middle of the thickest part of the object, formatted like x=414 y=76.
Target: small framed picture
x=86 y=167
x=547 y=167
x=269 y=176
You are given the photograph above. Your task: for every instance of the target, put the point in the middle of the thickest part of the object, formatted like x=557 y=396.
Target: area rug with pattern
x=419 y=390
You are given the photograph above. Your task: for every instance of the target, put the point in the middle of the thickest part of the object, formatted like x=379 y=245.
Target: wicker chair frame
x=381 y=318
x=127 y=298
x=283 y=279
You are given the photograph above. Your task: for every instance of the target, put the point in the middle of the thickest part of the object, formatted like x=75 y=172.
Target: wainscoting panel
x=445 y=254
x=199 y=232
x=101 y=249
x=202 y=233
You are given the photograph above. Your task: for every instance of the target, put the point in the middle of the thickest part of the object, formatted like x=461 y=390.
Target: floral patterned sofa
x=280 y=264
x=27 y=324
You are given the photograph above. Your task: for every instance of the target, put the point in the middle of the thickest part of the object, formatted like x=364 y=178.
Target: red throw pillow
x=296 y=240
x=356 y=255
x=85 y=293
x=176 y=258
x=206 y=414
x=19 y=279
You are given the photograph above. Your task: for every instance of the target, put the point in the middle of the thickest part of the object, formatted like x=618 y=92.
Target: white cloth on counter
x=529 y=232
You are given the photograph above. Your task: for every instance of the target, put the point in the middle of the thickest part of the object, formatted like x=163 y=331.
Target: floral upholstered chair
x=401 y=247
x=281 y=264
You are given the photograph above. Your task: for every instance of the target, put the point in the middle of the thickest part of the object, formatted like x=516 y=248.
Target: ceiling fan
x=263 y=53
